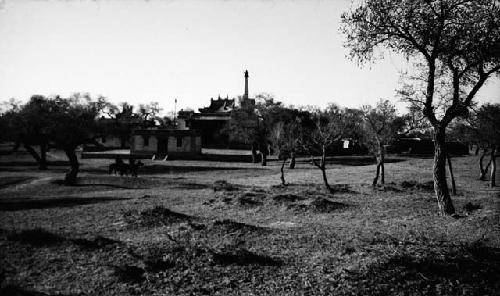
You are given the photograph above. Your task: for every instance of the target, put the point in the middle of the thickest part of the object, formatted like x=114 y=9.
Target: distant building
x=111 y=142
x=211 y=120
x=425 y=146
x=163 y=142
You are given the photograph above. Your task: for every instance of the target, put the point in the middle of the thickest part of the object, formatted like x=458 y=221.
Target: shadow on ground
x=63 y=183
x=171 y=169
x=11 y=181
x=61 y=202
x=470 y=270
x=32 y=163
x=352 y=160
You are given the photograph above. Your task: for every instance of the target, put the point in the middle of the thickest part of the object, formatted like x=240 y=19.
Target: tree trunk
x=292 y=160
x=375 y=180
x=73 y=172
x=283 y=171
x=382 y=168
x=254 y=154
x=43 y=156
x=263 y=158
x=476 y=152
x=493 y=167
x=323 y=170
x=39 y=160
x=444 y=201
x=17 y=144
x=452 y=177
x=123 y=141
x=483 y=171
x=263 y=154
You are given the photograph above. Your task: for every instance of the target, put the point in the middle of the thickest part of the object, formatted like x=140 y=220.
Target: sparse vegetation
x=265 y=239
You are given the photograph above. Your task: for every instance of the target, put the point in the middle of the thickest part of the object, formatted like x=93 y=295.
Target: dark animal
x=113 y=168
x=116 y=167
x=130 y=168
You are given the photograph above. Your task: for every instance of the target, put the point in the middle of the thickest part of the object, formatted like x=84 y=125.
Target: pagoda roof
x=219 y=106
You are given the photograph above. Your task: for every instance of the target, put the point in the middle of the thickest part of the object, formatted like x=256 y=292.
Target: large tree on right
x=457 y=41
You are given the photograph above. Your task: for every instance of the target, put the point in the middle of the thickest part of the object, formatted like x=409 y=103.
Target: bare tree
x=285 y=139
x=458 y=40
x=488 y=123
x=330 y=125
x=381 y=127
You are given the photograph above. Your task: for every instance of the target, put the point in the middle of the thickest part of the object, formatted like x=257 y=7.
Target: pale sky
x=142 y=51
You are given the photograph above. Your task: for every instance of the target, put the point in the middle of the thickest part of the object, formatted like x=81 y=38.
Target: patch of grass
x=15 y=290
x=468 y=271
x=229 y=226
x=382 y=243
x=13 y=180
x=46 y=203
x=412 y=184
x=244 y=257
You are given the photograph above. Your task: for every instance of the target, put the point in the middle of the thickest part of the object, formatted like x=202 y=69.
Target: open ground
x=214 y=228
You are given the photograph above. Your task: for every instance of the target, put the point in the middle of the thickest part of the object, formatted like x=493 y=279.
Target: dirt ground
x=213 y=228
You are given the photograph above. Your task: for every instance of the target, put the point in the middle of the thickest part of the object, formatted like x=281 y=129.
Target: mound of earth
x=251 y=199
x=223 y=185
x=319 y=205
x=158 y=216
x=286 y=198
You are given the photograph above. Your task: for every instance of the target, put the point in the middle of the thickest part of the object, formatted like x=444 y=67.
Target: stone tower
x=245 y=96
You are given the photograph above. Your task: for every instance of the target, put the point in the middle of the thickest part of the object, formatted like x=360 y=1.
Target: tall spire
x=246 y=85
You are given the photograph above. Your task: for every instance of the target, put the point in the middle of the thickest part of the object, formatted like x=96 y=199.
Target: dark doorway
x=163 y=145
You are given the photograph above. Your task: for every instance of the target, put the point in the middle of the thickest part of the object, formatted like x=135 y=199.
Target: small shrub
x=470 y=207
x=408 y=184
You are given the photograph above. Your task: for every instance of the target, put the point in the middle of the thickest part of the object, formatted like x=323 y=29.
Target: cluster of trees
x=312 y=131
x=455 y=45
x=67 y=123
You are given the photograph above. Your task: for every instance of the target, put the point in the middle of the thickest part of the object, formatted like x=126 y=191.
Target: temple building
x=159 y=143
x=210 y=121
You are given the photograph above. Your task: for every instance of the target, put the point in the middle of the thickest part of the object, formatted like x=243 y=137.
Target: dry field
x=209 y=228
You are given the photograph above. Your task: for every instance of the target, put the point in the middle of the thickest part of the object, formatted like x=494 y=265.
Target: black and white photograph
x=249 y=147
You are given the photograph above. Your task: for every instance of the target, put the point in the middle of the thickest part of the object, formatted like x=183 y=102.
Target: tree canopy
x=456 y=41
